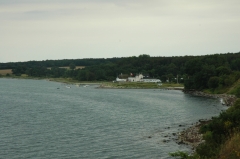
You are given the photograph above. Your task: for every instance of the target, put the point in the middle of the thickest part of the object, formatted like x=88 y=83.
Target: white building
x=121 y=80
x=139 y=78
x=151 y=80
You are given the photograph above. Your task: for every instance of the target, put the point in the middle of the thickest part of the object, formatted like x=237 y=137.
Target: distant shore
x=140 y=85
x=105 y=84
x=61 y=80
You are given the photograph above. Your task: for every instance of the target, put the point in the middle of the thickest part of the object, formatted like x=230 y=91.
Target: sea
x=41 y=119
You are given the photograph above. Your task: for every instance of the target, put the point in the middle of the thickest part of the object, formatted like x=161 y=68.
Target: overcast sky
x=73 y=29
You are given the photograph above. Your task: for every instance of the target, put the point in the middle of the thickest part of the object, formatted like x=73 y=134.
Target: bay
x=42 y=119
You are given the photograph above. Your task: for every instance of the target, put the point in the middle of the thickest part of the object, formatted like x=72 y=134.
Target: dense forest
x=196 y=72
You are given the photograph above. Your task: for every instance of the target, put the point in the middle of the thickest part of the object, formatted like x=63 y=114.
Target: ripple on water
x=40 y=121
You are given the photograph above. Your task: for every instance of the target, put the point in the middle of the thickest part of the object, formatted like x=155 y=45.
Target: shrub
x=207 y=136
x=213 y=82
x=237 y=92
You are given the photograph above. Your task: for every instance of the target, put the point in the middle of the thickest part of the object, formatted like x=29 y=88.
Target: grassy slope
x=227 y=90
x=231 y=148
x=235 y=89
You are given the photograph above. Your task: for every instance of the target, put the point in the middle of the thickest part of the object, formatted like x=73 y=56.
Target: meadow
x=6 y=71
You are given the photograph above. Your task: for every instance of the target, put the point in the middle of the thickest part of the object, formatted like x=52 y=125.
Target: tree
x=213 y=82
x=72 y=66
x=222 y=70
x=144 y=56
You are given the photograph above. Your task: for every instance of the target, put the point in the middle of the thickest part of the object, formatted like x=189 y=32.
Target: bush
x=237 y=93
x=218 y=131
x=213 y=82
x=183 y=155
x=207 y=136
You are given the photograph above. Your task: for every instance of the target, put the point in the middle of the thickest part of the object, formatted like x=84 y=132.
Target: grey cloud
x=115 y=28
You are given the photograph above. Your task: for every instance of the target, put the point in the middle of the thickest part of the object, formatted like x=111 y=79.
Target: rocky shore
x=191 y=136
x=226 y=99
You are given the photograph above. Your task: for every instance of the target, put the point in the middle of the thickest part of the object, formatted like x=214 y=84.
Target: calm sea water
x=39 y=121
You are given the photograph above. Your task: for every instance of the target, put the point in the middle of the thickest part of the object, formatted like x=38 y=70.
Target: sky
x=76 y=29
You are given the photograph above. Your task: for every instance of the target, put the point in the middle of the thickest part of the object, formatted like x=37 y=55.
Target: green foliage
x=183 y=155
x=72 y=66
x=144 y=56
x=222 y=70
x=213 y=82
x=218 y=131
x=207 y=135
x=236 y=91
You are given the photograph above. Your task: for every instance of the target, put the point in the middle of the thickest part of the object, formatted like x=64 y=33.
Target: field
x=77 y=67
x=67 y=67
x=141 y=85
x=7 y=71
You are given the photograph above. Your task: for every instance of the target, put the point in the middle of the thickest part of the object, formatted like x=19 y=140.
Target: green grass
x=234 y=89
x=172 y=85
x=139 y=85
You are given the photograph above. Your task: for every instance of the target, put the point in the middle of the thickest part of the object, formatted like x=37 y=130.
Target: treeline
x=57 y=63
x=213 y=72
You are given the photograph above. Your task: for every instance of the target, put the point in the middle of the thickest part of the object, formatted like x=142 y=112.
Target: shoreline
x=191 y=136
x=60 y=80
x=227 y=99
x=103 y=86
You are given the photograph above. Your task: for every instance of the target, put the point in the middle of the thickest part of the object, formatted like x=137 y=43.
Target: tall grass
x=231 y=149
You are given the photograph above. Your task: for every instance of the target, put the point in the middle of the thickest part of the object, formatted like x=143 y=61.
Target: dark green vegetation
x=221 y=137
x=219 y=130
x=216 y=73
